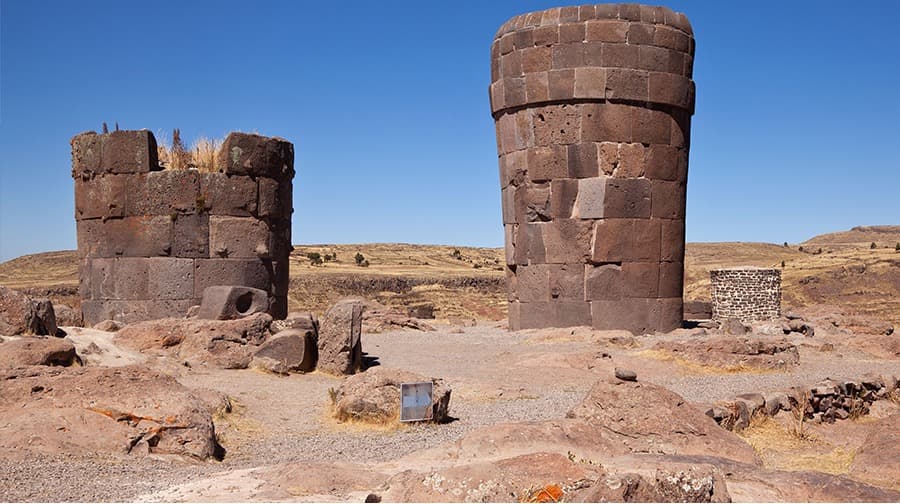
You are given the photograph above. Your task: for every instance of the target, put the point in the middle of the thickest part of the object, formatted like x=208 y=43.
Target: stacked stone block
x=748 y=294
x=151 y=240
x=592 y=106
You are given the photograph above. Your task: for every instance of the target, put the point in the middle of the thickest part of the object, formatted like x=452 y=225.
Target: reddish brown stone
x=515 y=323
x=254 y=273
x=662 y=162
x=635 y=315
x=533 y=315
x=567 y=55
x=170 y=278
x=85 y=154
x=631 y=160
x=671 y=279
x=570 y=313
x=238 y=237
x=496 y=92
x=626 y=84
x=583 y=161
x=591 y=199
x=546 y=163
x=606 y=30
x=557 y=124
x=671 y=89
x=671 y=240
x=608 y=157
x=533 y=282
x=546 y=35
x=655 y=59
x=275 y=198
x=164 y=193
x=224 y=195
x=640 y=33
x=100 y=197
x=508 y=205
x=509 y=235
x=256 y=155
x=562 y=84
x=640 y=279
x=668 y=200
x=590 y=82
x=523 y=38
x=537 y=88
x=511 y=65
x=190 y=235
x=514 y=91
x=627 y=198
x=618 y=240
x=128 y=152
x=607 y=123
x=571 y=33
x=630 y=12
x=567 y=240
x=131 y=237
x=651 y=126
x=529 y=244
x=602 y=282
x=562 y=197
x=567 y=282
x=670 y=38
x=620 y=56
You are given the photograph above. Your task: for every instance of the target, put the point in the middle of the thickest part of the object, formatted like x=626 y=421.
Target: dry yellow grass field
x=469 y=282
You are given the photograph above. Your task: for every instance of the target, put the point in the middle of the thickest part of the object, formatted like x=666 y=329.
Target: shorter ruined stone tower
x=746 y=293
x=150 y=240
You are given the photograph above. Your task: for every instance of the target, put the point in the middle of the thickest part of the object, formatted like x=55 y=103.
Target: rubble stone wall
x=592 y=106
x=151 y=240
x=747 y=294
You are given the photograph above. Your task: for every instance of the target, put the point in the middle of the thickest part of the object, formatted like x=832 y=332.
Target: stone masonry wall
x=593 y=106
x=151 y=240
x=747 y=294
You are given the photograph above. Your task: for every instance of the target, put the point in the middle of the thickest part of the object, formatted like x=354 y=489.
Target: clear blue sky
x=796 y=133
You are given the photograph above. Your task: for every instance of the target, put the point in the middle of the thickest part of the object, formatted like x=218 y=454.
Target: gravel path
x=496 y=377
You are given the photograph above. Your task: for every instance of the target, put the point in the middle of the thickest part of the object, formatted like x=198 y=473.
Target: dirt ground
x=496 y=377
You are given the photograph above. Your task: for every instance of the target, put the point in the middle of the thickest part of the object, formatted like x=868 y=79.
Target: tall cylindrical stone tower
x=151 y=240
x=592 y=107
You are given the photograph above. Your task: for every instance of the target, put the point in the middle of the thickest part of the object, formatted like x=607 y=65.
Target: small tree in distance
x=873 y=246
x=359 y=258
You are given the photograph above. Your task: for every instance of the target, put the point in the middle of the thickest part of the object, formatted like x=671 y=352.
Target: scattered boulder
x=755 y=402
x=734 y=327
x=291 y=350
x=226 y=344
x=37 y=352
x=20 y=314
x=697 y=310
x=340 y=345
x=108 y=325
x=775 y=402
x=297 y=320
x=625 y=374
x=374 y=396
x=379 y=318
x=114 y=410
x=730 y=352
x=421 y=310
x=229 y=302
x=67 y=316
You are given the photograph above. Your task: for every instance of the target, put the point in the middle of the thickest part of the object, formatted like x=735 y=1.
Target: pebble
x=626 y=374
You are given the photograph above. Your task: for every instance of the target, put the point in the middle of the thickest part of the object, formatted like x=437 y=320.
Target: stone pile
x=151 y=240
x=593 y=108
x=826 y=401
x=747 y=293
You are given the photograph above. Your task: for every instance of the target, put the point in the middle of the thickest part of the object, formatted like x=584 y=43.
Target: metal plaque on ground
x=415 y=401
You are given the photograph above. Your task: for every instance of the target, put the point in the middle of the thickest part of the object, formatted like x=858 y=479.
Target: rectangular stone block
x=610 y=122
x=671 y=89
x=255 y=273
x=631 y=160
x=537 y=60
x=640 y=279
x=515 y=323
x=282 y=277
x=593 y=57
x=537 y=87
x=662 y=162
x=620 y=56
x=567 y=240
x=523 y=39
x=590 y=82
x=606 y=30
x=562 y=197
x=571 y=33
x=567 y=55
x=547 y=163
x=280 y=240
x=583 y=160
x=536 y=315
x=571 y=313
x=508 y=204
x=591 y=198
x=627 y=84
x=651 y=126
x=100 y=197
x=511 y=65
x=514 y=91
x=561 y=83
x=529 y=244
x=190 y=235
x=669 y=313
x=654 y=59
x=84 y=278
x=103 y=278
x=164 y=193
x=671 y=240
x=130 y=237
x=235 y=195
x=636 y=315
x=278 y=306
x=619 y=240
x=671 y=279
x=668 y=199
x=567 y=282
x=85 y=154
x=171 y=278
x=238 y=237
x=131 y=278
x=608 y=157
x=496 y=93
x=546 y=35
x=670 y=38
x=603 y=282
x=128 y=152
x=626 y=198
x=256 y=156
x=532 y=202
x=509 y=249
x=556 y=124
x=511 y=284
x=533 y=282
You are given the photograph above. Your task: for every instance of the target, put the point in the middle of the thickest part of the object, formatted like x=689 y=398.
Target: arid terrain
x=838 y=269
x=806 y=409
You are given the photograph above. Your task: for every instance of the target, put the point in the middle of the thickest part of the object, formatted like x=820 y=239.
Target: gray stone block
x=227 y=302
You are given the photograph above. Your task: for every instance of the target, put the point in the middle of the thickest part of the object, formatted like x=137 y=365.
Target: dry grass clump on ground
x=787 y=448
x=174 y=156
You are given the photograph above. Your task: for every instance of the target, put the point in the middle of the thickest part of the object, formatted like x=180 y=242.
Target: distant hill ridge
x=880 y=235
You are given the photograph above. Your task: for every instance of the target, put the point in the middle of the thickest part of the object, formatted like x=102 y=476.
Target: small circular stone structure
x=151 y=240
x=593 y=106
x=746 y=293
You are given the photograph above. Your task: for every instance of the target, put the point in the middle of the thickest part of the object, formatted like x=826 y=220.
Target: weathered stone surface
x=736 y=352
x=105 y=410
x=20 y=314
x=340 y=343
x=256 y=156
x=289 y=351
x=237 y=196
x=37 y=352
x=254 y=273
x=374 y=396
x=226 y=302
x=297 y=320
x=238 y=237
